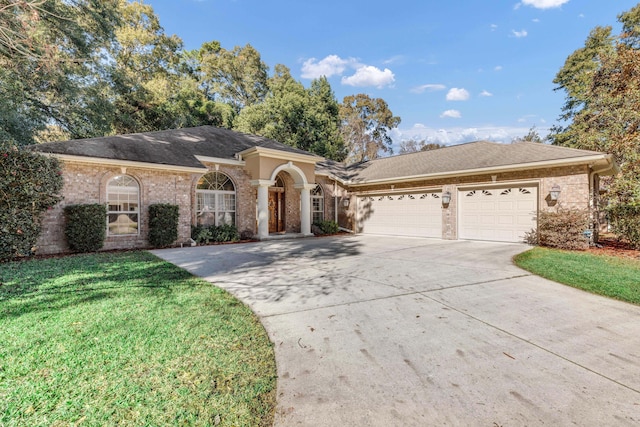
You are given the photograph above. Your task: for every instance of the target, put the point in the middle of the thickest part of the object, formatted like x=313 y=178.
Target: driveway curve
x=382 y=331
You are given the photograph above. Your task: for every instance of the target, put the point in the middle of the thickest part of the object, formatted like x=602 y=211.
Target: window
x=317 y=205
x=123 y=200
x=216 y=200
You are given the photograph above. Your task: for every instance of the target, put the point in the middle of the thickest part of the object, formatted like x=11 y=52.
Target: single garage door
x=499 y=214
x=416 y=214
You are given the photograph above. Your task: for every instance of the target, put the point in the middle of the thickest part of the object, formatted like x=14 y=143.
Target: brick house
x=480 y=190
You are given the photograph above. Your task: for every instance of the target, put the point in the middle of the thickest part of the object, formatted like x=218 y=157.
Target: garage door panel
x=417 y=215
x=503 y=214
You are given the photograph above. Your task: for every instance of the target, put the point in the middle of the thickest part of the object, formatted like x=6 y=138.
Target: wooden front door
x=276 y=211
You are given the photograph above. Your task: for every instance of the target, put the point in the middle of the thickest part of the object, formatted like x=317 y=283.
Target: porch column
x=305 y=208
x=263 y=207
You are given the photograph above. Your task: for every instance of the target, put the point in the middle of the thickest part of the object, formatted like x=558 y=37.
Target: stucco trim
x=220 y=161
x=279 y=154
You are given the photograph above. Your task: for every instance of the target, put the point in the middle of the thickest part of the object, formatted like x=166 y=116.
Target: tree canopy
x=86 y=68
x=602 y=107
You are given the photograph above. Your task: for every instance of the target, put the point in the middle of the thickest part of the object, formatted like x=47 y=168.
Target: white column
x=305 y=208
x=263 y=207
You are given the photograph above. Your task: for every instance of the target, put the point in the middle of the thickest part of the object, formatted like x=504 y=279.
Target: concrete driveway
x=379 y=331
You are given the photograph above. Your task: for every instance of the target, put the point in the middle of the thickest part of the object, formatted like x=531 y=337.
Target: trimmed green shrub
x=625 y=222
x=86 y=227
x=30 y=183
x=204 y=234
x=327 y=227
x=163 y=224
x=562 y=229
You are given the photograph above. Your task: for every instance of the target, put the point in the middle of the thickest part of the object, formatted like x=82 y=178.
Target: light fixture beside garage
x=446 y=198
x=345 y=202
x=555 y=192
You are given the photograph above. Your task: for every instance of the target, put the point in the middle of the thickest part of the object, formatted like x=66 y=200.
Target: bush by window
x=85 y=227
x=163 y=224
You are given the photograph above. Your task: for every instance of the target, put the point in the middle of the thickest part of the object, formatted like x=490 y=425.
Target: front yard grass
x=610 y=276
x=127 y=339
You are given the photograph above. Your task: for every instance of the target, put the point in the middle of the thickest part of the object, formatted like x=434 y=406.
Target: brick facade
x=85 y=183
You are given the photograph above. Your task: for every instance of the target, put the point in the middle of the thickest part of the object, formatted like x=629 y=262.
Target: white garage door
x=417 y=214
x=500 y=214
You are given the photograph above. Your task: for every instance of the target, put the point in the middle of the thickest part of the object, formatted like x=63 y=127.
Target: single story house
x=480 y=190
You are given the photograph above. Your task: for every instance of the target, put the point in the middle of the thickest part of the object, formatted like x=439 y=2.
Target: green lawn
x=127 y=339
x=604 y=275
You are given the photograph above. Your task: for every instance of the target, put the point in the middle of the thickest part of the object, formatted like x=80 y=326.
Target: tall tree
x=293 y=115
x=365 y=123
x=605 y=111
x=237 y=77
x=48 y=69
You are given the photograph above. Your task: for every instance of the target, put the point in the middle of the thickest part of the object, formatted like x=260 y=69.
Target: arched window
x=317 y=205
x=123 y=201
x=216 y=200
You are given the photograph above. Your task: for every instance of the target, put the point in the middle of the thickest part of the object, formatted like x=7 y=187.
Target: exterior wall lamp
x=555 y=192
x=446 y=198
x=345 y=203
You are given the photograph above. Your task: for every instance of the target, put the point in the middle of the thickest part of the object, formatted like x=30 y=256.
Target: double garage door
x=496 y=214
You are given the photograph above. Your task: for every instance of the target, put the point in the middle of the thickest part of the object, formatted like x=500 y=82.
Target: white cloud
x=544 y=4
x=536 y=20
x=497 y=68
x=486 y=93
x=329 y=66
x=453 y=114
x=494 y=27
x=368 y=75
x=456 y=94
x=460 y=135
x=428 y=87
x=519 y=34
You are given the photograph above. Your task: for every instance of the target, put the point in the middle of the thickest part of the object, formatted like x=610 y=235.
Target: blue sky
x=454 y=71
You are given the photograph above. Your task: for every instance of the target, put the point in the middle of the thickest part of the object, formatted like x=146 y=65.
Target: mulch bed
x=609 y=245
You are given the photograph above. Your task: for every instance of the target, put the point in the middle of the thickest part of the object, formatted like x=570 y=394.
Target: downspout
x=335 y=199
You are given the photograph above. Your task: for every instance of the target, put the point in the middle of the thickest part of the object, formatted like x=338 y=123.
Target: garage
x=497 y=214
x=414 y=214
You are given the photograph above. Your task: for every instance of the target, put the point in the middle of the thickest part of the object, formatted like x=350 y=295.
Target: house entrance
x=276 y=207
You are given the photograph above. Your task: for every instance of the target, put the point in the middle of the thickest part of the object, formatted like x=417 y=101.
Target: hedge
x=86 y=227
x=163 y=224
x=204 y=234
x=562 y=229
x=625 y=222
x=30 y=183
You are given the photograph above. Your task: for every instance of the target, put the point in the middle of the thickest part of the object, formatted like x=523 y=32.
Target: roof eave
x=588 y=160
x=126 y=163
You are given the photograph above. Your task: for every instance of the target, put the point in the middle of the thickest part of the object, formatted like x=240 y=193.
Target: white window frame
x=317 y=204
x=123 y=204
x=218 y=203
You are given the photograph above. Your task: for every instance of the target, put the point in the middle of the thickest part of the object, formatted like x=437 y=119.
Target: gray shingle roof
x=456 y=158
x=177 y=147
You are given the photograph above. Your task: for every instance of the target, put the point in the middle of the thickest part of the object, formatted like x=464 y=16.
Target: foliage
x=85 y=227
x=562 y=228
x=30 y=183
x=531 y=136
x=603 y=275
x=204 y=234
x=327 y=227
x=602 y=83
x=305 y=119
x=625 y=222
x=365 y=123
x=413 y=146
x=237 y=77
x=163 y=224
x=128 y=339
x=49 y=66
